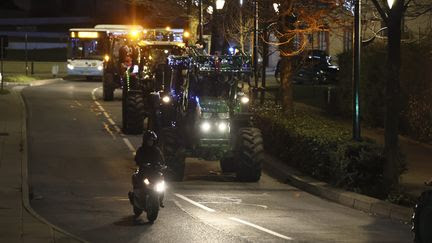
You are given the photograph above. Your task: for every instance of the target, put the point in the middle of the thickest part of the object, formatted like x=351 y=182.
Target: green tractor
x=140 y=78
x=204 y=113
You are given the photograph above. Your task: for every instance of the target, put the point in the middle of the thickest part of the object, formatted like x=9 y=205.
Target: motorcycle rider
x=149 y=152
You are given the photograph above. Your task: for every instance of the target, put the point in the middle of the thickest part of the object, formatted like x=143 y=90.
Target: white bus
x=87 y=48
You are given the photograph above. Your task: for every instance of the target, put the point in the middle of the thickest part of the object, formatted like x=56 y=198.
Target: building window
x=347 y=40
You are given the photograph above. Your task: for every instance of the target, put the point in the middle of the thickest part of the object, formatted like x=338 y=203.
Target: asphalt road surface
x=80 y=167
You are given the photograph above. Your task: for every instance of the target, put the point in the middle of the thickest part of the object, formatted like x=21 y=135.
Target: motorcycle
x=148 y=190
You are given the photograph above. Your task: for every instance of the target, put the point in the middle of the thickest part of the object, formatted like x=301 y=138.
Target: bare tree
x=294 y=22
x=393 y=17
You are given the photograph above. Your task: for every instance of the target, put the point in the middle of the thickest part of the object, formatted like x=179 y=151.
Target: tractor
x=140 y=75
x=204 y=113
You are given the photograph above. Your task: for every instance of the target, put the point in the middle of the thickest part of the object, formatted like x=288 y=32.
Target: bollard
x=32 y=68
x=55 y=70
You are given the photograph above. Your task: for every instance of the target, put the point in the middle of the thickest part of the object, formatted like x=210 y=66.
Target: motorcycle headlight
x=146 y=181
x=160 y=187
x=205 y=126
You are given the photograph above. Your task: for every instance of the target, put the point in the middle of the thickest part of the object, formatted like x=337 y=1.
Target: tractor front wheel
x=133 y=113
x=249 y=151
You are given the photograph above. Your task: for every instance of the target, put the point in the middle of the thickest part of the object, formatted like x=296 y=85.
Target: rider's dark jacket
x=148 y=154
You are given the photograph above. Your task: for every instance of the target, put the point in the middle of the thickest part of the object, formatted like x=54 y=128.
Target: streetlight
x=216 y=28
x=390 y=3
x=276 y=7
x=220 y=4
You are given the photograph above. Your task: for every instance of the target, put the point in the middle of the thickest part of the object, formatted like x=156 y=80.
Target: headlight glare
x=205 y=126
x=166 y=99
x=223 y=126
x=160 y=187
x=146 y=181
x=70 y=66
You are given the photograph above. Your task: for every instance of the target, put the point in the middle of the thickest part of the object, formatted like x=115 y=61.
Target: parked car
x=315 y=67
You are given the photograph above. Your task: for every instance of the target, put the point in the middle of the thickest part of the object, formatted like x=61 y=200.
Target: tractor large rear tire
x=422 y=219
x=249 y=151
x=174 y=153
x=108 y=87
x=133 y=115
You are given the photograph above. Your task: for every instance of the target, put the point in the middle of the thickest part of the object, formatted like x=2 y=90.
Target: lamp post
x=241 y=26
x=216 y=29
x=356 y=66
x=255 y=41
x=201 y=28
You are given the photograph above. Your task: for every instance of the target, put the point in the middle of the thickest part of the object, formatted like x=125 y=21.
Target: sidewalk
x=18 y=221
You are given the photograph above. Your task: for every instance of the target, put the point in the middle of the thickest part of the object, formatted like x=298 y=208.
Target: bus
x=87 y=48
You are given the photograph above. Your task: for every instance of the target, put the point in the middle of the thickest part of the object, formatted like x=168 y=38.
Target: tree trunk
x=392 y=96
x=286 y=74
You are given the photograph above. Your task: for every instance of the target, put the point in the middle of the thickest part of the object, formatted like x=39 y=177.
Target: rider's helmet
x=149 y=138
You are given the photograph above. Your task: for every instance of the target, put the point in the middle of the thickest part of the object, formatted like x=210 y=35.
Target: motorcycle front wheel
x=152 y=207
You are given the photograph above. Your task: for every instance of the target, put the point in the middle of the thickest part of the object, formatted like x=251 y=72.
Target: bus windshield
x=86 y=48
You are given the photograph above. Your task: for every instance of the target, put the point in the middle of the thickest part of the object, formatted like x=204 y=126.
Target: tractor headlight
x=146 y=181
x=70 y=66
x=160 y=187
x=205 y=126
x=166 y=99
x=223 y=127
x=244 y=99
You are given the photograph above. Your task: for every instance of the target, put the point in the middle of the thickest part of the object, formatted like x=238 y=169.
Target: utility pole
x=1 y=60
x=26 y=55
x=356 y=70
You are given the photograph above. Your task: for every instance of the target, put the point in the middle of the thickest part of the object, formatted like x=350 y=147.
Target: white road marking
x=106 y=114
x=128 y=143
x=261 y=228
x=111 y=121
x=118 y=129
x=93 y=93
x=194 y=203
x=101 y=108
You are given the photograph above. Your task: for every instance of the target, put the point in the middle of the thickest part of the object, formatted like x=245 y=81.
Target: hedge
x=323 y=149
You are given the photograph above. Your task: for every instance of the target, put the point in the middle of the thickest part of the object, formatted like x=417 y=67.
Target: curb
x=24 y=175
x=350 y=199
x=35 y=83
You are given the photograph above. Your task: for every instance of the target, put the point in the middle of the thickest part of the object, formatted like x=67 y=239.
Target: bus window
x=86 y=48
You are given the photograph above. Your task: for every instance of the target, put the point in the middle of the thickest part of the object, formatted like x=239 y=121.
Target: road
x=80 y=167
